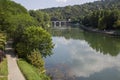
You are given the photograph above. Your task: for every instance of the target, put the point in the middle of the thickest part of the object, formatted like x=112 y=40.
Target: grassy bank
x=3 y=70
x=30 y=72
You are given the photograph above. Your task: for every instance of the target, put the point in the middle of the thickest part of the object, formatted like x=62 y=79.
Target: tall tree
x=35 y=38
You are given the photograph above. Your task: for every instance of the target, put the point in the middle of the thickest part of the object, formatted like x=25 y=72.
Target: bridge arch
x=59 y=23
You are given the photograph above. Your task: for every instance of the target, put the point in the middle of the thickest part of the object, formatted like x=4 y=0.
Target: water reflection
x=104 y=44
x=81 y=57
x=101 y=43
x=74 y=33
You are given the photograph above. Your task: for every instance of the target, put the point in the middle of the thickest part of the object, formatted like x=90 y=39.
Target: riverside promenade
x=14 y=72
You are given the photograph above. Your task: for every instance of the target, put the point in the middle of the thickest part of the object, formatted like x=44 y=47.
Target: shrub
x=20 y=48
x=36 y=60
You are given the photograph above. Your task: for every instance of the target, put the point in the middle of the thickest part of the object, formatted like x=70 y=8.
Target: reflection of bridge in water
x=60 y=23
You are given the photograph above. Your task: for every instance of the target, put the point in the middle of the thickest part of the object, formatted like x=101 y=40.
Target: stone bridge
x=60 y=23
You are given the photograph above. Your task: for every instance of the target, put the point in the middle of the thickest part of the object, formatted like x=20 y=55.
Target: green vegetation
x=103 y=15
x=3 y=60
x=34 y=38
x=33 y=43
x=2 y=41
x=3 y=78
x=42 y=19
x=30 y=72
x=26 y=30
x=16 y=17
x=3 y=70
x=36 y=59
x=103 y=19
x=77 y=12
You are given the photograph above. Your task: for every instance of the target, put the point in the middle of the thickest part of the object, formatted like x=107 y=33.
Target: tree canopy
x=13 y=16
x=34 y=38
x=30 y=40
x=78 y=12
x=42 y=19
x=16 y=21
x=103 y=19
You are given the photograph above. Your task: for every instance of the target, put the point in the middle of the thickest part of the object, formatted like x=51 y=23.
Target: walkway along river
x=14 y=72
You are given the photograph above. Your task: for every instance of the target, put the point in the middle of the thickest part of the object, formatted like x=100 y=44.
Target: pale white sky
x=41 y=4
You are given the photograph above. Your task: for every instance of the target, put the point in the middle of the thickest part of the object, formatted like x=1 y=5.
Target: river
x=80 y=55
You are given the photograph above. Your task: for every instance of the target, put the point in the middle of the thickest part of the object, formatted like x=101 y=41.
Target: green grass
x=3 y=70
x=3 y=78
x=30 y=72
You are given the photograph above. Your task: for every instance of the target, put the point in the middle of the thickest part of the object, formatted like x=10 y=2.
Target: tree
x=42 y=19
x=72 y=12
x=34 y=38
x=13 y=16
x=103 y=19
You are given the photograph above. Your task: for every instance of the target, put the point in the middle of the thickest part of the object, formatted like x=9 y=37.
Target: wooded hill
x=77 y=12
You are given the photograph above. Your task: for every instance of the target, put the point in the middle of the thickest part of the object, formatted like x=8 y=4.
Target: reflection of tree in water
x=99 y=42
x=104 y=44
x=70 y=33
x=60 y=72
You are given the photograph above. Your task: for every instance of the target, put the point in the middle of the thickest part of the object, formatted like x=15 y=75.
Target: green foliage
x=18 y=23
x=30 y=72
x=13 y=16
x=103 y=19
x=2 y=41
x=3 y=68
x=36 y=60
x=15 y=21
x=35 y=38
x=21 y=49
x=117 y=24
x=77 y=12
x=41 y=18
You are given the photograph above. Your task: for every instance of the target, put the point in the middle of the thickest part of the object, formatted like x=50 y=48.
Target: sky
x=41 y=4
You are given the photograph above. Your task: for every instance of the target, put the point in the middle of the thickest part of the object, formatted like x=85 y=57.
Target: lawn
x=3 y=78
x=30 y=72
x=3 y=70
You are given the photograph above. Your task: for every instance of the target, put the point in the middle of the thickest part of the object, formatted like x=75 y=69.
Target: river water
x=80 y=55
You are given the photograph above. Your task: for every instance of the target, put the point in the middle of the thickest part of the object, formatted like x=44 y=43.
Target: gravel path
x=14 y=72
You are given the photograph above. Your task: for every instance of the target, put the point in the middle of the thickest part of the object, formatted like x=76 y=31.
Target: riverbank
x=107 y=32
x=30 y=72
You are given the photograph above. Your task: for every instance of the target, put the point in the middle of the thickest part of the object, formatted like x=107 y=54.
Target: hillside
x=77 y=12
